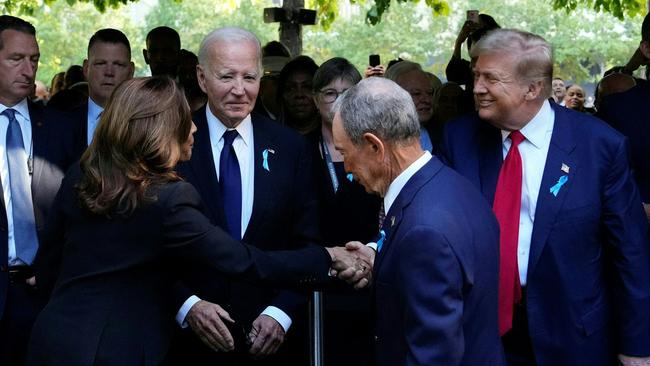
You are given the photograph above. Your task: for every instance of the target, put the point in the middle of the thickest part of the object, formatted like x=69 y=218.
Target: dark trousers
x=516 y=342
x=23 y=303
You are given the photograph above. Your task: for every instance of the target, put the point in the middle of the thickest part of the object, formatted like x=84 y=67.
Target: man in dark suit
x=435 y=272
x=574 y=270
x=254 y=176
x=108 y=64
x=629 y=113
x=31 y=155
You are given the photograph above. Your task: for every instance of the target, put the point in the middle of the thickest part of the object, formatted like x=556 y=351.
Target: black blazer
x=284 y=214
x=109 y=305
x=52 y=156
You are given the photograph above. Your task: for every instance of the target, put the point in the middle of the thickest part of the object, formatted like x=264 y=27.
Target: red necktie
x=507 y=205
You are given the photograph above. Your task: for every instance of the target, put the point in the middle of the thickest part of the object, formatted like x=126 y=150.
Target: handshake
x=353 y=263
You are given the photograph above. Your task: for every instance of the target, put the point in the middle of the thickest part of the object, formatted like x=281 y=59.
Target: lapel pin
x=350 y=177
x=565 y=168
x=560 y=182
x=392 y=221
x=265 y=158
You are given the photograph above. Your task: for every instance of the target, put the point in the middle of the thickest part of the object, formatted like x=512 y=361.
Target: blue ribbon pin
x=381 y=240
x=560 y=182
x=265 y=157
x=350 y=177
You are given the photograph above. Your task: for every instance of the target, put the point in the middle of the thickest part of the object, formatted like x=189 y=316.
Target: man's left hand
x=633 y=361
x=266 y=336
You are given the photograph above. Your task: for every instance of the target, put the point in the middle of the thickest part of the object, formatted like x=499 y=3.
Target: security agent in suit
x=435 y=271
x=107 y=65
x=628 y=112
x=581 y=255
x=31 y=155
x=275 y=206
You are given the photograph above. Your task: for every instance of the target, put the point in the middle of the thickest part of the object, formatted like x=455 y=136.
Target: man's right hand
x=206 y=320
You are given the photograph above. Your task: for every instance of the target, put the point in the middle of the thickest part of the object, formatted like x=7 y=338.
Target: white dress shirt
x=398 y=183
x=22 y=116
x=94 y=111
x=245 y=151
x=533 y=150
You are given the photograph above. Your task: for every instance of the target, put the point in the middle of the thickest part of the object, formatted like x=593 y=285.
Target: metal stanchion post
x=316 y=329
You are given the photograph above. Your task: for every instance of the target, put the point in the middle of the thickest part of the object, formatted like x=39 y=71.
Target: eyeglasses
x=331 y=95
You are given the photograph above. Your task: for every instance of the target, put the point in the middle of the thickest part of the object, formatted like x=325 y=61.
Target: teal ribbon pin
x=380 y=242
x=560 y=182
x=265 y=161
x=350 y=177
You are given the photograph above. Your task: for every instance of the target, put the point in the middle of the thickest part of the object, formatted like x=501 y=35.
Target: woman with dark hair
x=297 y=107
x=347 y=213
x=121 y=224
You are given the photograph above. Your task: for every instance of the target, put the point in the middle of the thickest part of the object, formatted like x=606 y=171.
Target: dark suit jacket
x=52 y=157
x=629 y=113
x=588 y=292
x=284 y=214
x=436 y=276
x=109 y=304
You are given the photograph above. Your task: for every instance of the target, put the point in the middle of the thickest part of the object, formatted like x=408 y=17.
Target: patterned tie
x=230 y=183
x=25 y=237
x=382 y=215
x=507 y=205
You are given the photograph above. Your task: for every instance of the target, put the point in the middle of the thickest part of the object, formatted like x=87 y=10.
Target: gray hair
x=234 y=35
x=401 y=68
x=379 y=106
x=534 y=56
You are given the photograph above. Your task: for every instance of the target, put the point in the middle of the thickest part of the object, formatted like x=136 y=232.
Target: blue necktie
x=230 y=183
x=21 y=197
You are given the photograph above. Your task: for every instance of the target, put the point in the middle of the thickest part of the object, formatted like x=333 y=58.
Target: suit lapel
x=38 y=144
x=548 y=205
x=490 y=159
x=396 y=213
x=202 y=166
x=263 y=184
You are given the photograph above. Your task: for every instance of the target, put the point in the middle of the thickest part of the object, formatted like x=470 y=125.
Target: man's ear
x=85 y=68
x=374 y=144
x=145 y=53
x=200 y=77
x=534 y=90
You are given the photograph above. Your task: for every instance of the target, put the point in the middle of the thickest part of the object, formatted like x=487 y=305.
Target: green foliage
x=618 y=8
x=585 y=43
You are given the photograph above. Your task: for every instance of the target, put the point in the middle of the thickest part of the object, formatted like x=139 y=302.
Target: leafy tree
x=327 y=8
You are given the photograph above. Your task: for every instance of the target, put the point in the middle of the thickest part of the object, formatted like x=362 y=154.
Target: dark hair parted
x=136 y=145
x=109 y=35
x=333 y=69
x=17 y=24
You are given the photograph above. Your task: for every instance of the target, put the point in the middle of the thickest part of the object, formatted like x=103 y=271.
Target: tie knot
x=10 y=113
x=229 y=136
x=516 y=137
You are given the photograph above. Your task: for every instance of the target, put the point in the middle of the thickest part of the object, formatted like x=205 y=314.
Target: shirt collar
x=535 y=131
x=94 y=110
x=22 y=108
x=245 y=128
x=396 y=185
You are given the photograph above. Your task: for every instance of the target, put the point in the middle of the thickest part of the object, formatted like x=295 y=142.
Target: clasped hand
x=353 y=263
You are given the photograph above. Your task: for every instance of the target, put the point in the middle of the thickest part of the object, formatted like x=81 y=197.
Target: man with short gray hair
x=573 y=278
x=436 y=263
